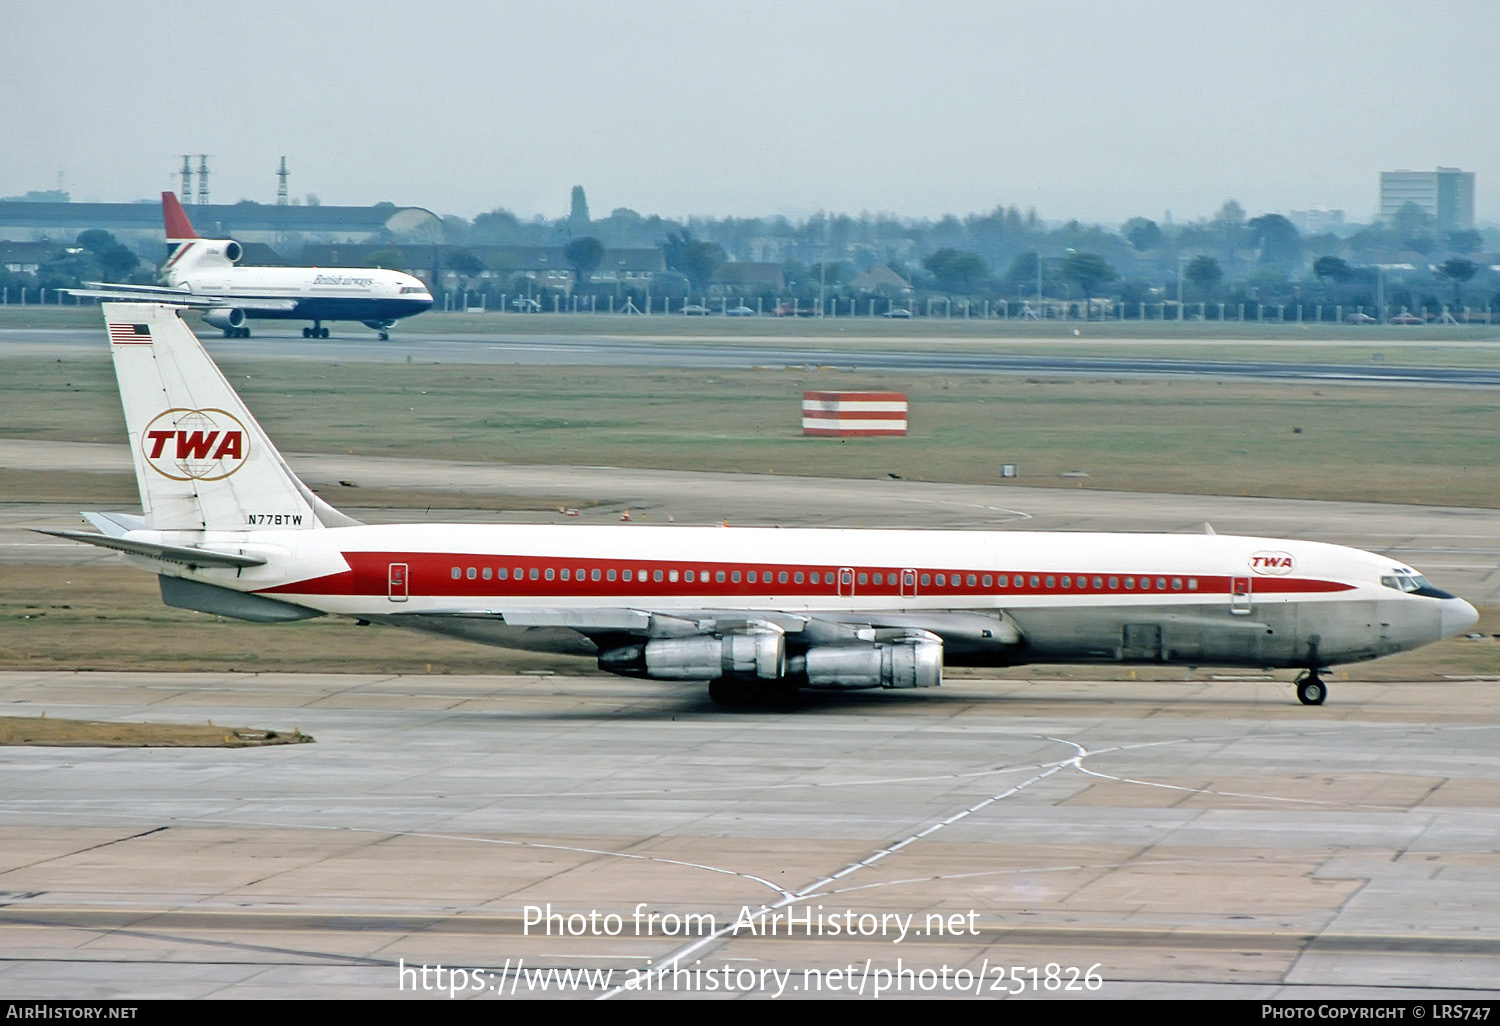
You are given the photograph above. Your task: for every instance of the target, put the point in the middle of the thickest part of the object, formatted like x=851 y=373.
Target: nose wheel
x=1310 y=688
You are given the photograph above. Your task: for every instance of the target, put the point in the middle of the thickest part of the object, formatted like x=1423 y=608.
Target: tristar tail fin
x=175 y=219
x=201 y=460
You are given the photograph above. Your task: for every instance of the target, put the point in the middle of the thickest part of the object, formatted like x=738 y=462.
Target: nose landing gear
x=1310 y=688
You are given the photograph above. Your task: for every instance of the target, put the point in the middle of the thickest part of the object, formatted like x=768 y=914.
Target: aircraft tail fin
x=201 y=460
x=175 y=219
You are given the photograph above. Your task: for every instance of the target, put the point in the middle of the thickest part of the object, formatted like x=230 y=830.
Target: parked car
x=739 y=311
x=694 y=310
x=1406 y=317
x=1358 y=318
x=897 y=312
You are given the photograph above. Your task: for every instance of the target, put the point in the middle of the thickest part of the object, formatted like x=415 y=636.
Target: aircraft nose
x=1457 y=616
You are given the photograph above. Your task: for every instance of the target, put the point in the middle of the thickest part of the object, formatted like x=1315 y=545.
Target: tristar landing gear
x=316 y=331
x=382 y=327
x=1310 y=688
x=236 y=332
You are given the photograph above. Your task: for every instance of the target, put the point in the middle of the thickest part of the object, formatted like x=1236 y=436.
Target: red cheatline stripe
x=430 y=574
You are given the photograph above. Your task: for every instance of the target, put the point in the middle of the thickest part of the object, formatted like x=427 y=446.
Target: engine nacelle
x=754 y=655
x=912 y=661
x=224 y=318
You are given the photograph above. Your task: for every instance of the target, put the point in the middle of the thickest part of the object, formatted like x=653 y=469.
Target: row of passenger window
x=1015 y=582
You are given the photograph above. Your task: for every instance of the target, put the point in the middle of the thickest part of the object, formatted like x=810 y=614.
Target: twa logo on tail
x=195 y=445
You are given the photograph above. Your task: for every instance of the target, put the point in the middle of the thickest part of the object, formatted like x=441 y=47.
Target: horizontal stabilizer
x=166 y=296
x=187 y=555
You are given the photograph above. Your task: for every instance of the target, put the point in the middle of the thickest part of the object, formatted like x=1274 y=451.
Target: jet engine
x=913 y=659
x=893 y=658
x=225 y=318
x=751 y=655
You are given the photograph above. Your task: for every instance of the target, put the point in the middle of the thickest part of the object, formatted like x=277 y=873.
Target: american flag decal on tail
x=130 y=334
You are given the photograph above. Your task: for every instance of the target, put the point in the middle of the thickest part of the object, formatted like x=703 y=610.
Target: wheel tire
x=732 y=693
x=1311 y=692
x=307 y=333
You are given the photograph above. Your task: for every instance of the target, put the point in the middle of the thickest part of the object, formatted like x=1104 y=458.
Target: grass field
x=1170 y=435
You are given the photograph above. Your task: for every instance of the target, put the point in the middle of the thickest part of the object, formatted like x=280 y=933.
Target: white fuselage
x=1212 y=599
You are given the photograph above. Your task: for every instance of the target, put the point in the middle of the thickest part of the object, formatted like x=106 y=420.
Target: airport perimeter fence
x=1098 y=310
x=942 y=308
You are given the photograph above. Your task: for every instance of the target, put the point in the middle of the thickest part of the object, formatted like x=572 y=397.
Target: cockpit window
x=1412 y=584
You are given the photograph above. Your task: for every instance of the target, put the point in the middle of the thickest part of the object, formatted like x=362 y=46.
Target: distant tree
x=956 y=270
x=1231 y=214
x=1277 y=239
x=389 y=258
x=465 y=264
x=1204 y=273
x=1332 y=268
x=96 y=240
x=578 y=213
x=585 y=255
x=696 y=259
x=117 y=261
x=461 y=261
x=1458 y=271
x=1023 y=268
x=1411 y=222
x=1088 y=271
x=1466 y=241
x=1143 y=234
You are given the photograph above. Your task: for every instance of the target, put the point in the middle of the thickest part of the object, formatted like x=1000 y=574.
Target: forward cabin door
x=1239 y=596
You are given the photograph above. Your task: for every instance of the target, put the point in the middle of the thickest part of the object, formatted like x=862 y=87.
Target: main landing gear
x=726 y=691
x=1310 y=688
x=316 y=331
x=236 y=332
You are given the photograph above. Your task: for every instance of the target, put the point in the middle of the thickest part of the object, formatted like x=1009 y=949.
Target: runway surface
x=936 y=355
x=1211 y=839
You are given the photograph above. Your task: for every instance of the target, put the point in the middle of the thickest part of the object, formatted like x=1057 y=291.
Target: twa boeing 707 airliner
x=756 y=613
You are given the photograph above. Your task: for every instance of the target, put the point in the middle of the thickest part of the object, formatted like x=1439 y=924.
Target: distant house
x=26 y=257
x=881 y=280
x=748 y=275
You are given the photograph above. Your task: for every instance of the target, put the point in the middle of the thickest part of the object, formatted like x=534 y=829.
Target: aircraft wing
x=813 y=628
x=178 y=297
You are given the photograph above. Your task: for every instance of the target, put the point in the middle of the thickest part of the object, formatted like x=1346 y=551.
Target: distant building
x=1316 y=222
x=22 y=220
x=1445 y=195
x=741 y=275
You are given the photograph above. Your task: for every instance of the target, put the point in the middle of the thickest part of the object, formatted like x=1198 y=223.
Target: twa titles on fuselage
x=755 y=612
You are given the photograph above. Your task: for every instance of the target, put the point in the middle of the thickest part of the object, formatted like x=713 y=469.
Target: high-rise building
x=1445 y=195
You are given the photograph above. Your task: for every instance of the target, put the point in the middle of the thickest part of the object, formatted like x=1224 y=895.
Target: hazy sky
x=1079 y=108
